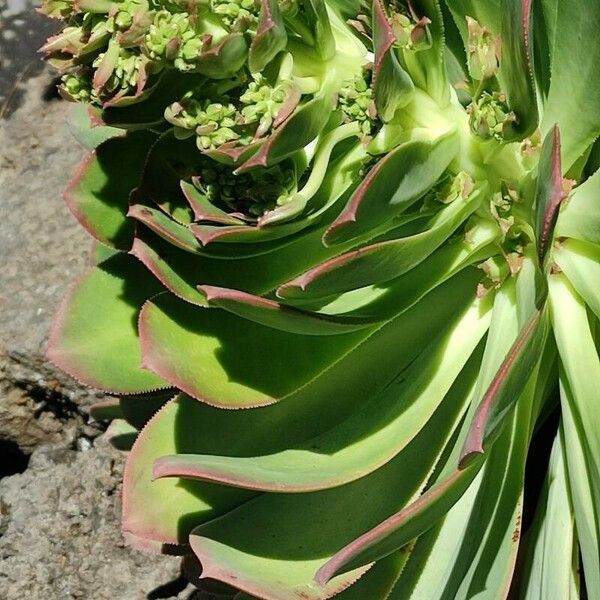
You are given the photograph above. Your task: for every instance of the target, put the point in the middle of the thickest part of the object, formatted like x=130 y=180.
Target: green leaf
x=98 y=195
x=580 y=262
x=573 y=100
x=203 y=209
x=452 y=483
x=388 y=299
x=488 y=13
x=515 y=74
x=195 y=427
x=315 y=13
x=551 y=543
x=173 y=279
x=549 y=193
x=516 y=369
x=392 y=86
x=394 y=184
x=307 y=122
x=382 y=261
x=165 y=511
x=376 y=433
x=580 y=373
x=278 y=316
x=105 y=303
x=170 y=88
x=431 y=63
x=211 y=368
x=378 y=581
x=89 y=134
x=225 y=59
x=270 y=38
x=579 y=216
x=274 y=557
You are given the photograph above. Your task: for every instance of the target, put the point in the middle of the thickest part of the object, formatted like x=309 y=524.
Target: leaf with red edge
x=440 y=378
x=204 y=210
x=105 y=304
x=392 y=85
x=278 y=316
x=172 y=277
x=83 y=126
x=164 y=512
x=516 y=73
x=392 y=186
x=504 y=390
x=212 y=370
x=549 y=193
x=263 y=551
x=160 y=223
x=382 y=261
x=98 y=195
x=225 y=59
x=270 y=38
x=305 y=124
x=402 y=527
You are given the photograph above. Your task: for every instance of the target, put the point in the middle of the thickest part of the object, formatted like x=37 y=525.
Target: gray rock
x=43 y=248
x=60 y=535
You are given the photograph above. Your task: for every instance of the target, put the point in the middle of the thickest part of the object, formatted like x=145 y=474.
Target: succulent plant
x=346 y=288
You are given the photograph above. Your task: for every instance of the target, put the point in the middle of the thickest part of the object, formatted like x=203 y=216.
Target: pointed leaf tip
x=550 y=191
x=505 y=388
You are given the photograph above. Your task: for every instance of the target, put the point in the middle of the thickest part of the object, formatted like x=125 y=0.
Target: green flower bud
x=234 y=11
x=213 y=122
x=76 y=87
x=251 y=194
x=482 y=51
x=173 y=38
x=357 y=104
x=490 y=116
x=262 y=103
x=121 y=16
x=125 y=75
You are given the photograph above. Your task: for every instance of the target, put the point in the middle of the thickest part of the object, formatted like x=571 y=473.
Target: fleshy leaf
x=106 y=301
x=392 y=186
x=88 y=133
x=503 y=392
x=270 y=38
x=165 y=511
x=549 y=192
x=294 y=134
x=579 y=216
x=99 y=199
x=516 y=76
x=225 y=59
x=279 y=316
x=573 y=100
x=580 y=262
x=212 y=369
x=382 y=261
x=373 y=435
x=204 y=210
x=392 y=85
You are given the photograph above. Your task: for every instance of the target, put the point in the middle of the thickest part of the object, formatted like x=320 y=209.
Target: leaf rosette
x=374 y=227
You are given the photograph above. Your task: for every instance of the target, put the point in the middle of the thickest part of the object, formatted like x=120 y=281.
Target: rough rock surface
x=60 y=532
x=60 y=510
